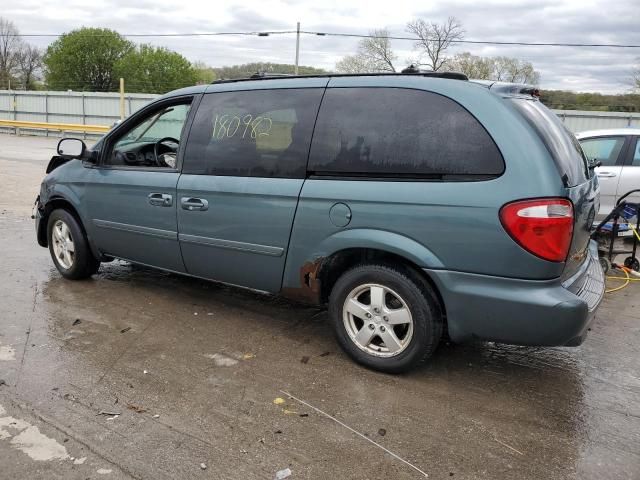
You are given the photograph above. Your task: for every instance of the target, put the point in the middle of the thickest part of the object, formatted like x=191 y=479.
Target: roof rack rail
x=406 y=72
x=261 y=75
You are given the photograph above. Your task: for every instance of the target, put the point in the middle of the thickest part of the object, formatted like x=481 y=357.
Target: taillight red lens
x=541 y=226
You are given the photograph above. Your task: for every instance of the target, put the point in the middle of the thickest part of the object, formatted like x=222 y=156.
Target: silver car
x=618 y=151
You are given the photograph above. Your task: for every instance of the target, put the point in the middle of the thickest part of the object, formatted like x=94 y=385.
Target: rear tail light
x=542 y=226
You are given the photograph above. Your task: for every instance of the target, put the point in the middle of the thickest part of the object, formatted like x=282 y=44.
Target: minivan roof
x=499 y=88
x=263 y=77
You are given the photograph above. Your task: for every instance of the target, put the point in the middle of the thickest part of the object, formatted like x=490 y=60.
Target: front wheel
x=69 y=247
x=385 y=317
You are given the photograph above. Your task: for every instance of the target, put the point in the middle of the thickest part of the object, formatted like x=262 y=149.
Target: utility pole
x=297 y=48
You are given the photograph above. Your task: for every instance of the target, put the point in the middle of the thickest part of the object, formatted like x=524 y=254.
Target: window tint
x=636 y=154
x=139 y=146
x=393 y=131
x=259 y=133
x=561 y=143
x=605 y=150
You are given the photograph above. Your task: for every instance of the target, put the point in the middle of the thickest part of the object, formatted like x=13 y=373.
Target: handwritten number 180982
x=248 y=126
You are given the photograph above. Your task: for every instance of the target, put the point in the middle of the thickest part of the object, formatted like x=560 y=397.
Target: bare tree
x=504 y=69
x=435 y=38
x=481 y=68
x=515 y=71
x=29 y=60
x=10 y=45
x=374 y=54
x=635 y=81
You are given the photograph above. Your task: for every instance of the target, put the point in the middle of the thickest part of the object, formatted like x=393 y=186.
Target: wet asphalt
x=138 y=373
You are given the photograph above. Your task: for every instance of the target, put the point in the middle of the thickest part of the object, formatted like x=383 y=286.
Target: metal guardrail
x=62 y=127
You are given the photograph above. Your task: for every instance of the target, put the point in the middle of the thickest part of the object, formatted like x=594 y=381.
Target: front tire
x=69 y=247
x=385 y=317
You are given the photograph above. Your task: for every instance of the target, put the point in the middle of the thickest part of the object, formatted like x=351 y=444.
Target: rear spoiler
x=506 y=88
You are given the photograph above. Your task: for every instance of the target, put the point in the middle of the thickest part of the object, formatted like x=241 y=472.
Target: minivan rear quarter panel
x=449 y=225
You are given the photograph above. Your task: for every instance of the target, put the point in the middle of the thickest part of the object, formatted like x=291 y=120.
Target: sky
x=606 y=70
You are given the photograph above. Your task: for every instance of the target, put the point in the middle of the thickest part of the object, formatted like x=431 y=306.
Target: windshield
x=561 y=143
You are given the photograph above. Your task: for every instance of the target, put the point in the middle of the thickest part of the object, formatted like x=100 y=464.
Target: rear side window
x=561 y=143
x=603 y=149
x=400 y=132
x=257 y=133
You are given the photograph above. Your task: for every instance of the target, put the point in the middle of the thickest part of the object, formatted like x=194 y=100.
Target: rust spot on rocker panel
x=309 y=289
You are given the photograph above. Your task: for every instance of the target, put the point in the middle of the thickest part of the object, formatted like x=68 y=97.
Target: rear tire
x=385 y=317
x=69 y=247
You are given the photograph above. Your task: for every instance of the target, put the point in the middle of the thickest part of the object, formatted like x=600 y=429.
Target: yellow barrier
x=63 y=127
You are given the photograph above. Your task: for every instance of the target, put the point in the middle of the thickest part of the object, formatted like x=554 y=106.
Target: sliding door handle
x=194 y=204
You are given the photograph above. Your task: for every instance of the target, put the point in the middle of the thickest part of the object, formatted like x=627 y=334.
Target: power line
x=476 y=42
x=346 y=35
x=188 y=34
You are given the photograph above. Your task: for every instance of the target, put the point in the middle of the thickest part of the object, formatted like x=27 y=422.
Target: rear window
x=400 y=132
x=561 y=143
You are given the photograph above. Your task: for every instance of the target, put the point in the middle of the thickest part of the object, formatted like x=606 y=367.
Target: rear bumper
x=522 y=312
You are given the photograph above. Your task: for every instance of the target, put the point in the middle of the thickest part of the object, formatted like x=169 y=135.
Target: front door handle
x=193 y=204
x=606 y=174
x=160 y=199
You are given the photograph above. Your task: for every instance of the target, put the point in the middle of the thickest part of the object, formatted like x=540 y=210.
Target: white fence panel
x=580 y=120
x=87 y=108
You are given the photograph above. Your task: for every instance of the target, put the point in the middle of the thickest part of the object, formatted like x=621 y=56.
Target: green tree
x=149 y=69
x=563 y=100
x=204 y=73
x=85 y=59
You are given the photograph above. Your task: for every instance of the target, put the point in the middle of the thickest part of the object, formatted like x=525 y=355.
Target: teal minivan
x=413 y=205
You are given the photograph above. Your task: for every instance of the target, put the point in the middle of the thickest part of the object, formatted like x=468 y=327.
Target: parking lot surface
x=142 y=374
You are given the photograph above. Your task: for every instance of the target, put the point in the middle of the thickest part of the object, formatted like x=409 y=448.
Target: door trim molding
x=126 y=227
x=232 y=245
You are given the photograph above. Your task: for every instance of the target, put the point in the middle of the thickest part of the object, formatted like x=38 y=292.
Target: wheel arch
x=61 y=202
x=312 y=279
x=339 y=262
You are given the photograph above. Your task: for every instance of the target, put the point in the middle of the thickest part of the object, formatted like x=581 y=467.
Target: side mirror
x=71 y=148
x=593 y=163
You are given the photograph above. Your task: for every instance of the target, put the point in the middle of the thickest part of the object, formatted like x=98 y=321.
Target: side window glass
x=394 y=131
x=152 y=142
x=258 y=133
x=636 y=154
x=605 y=150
